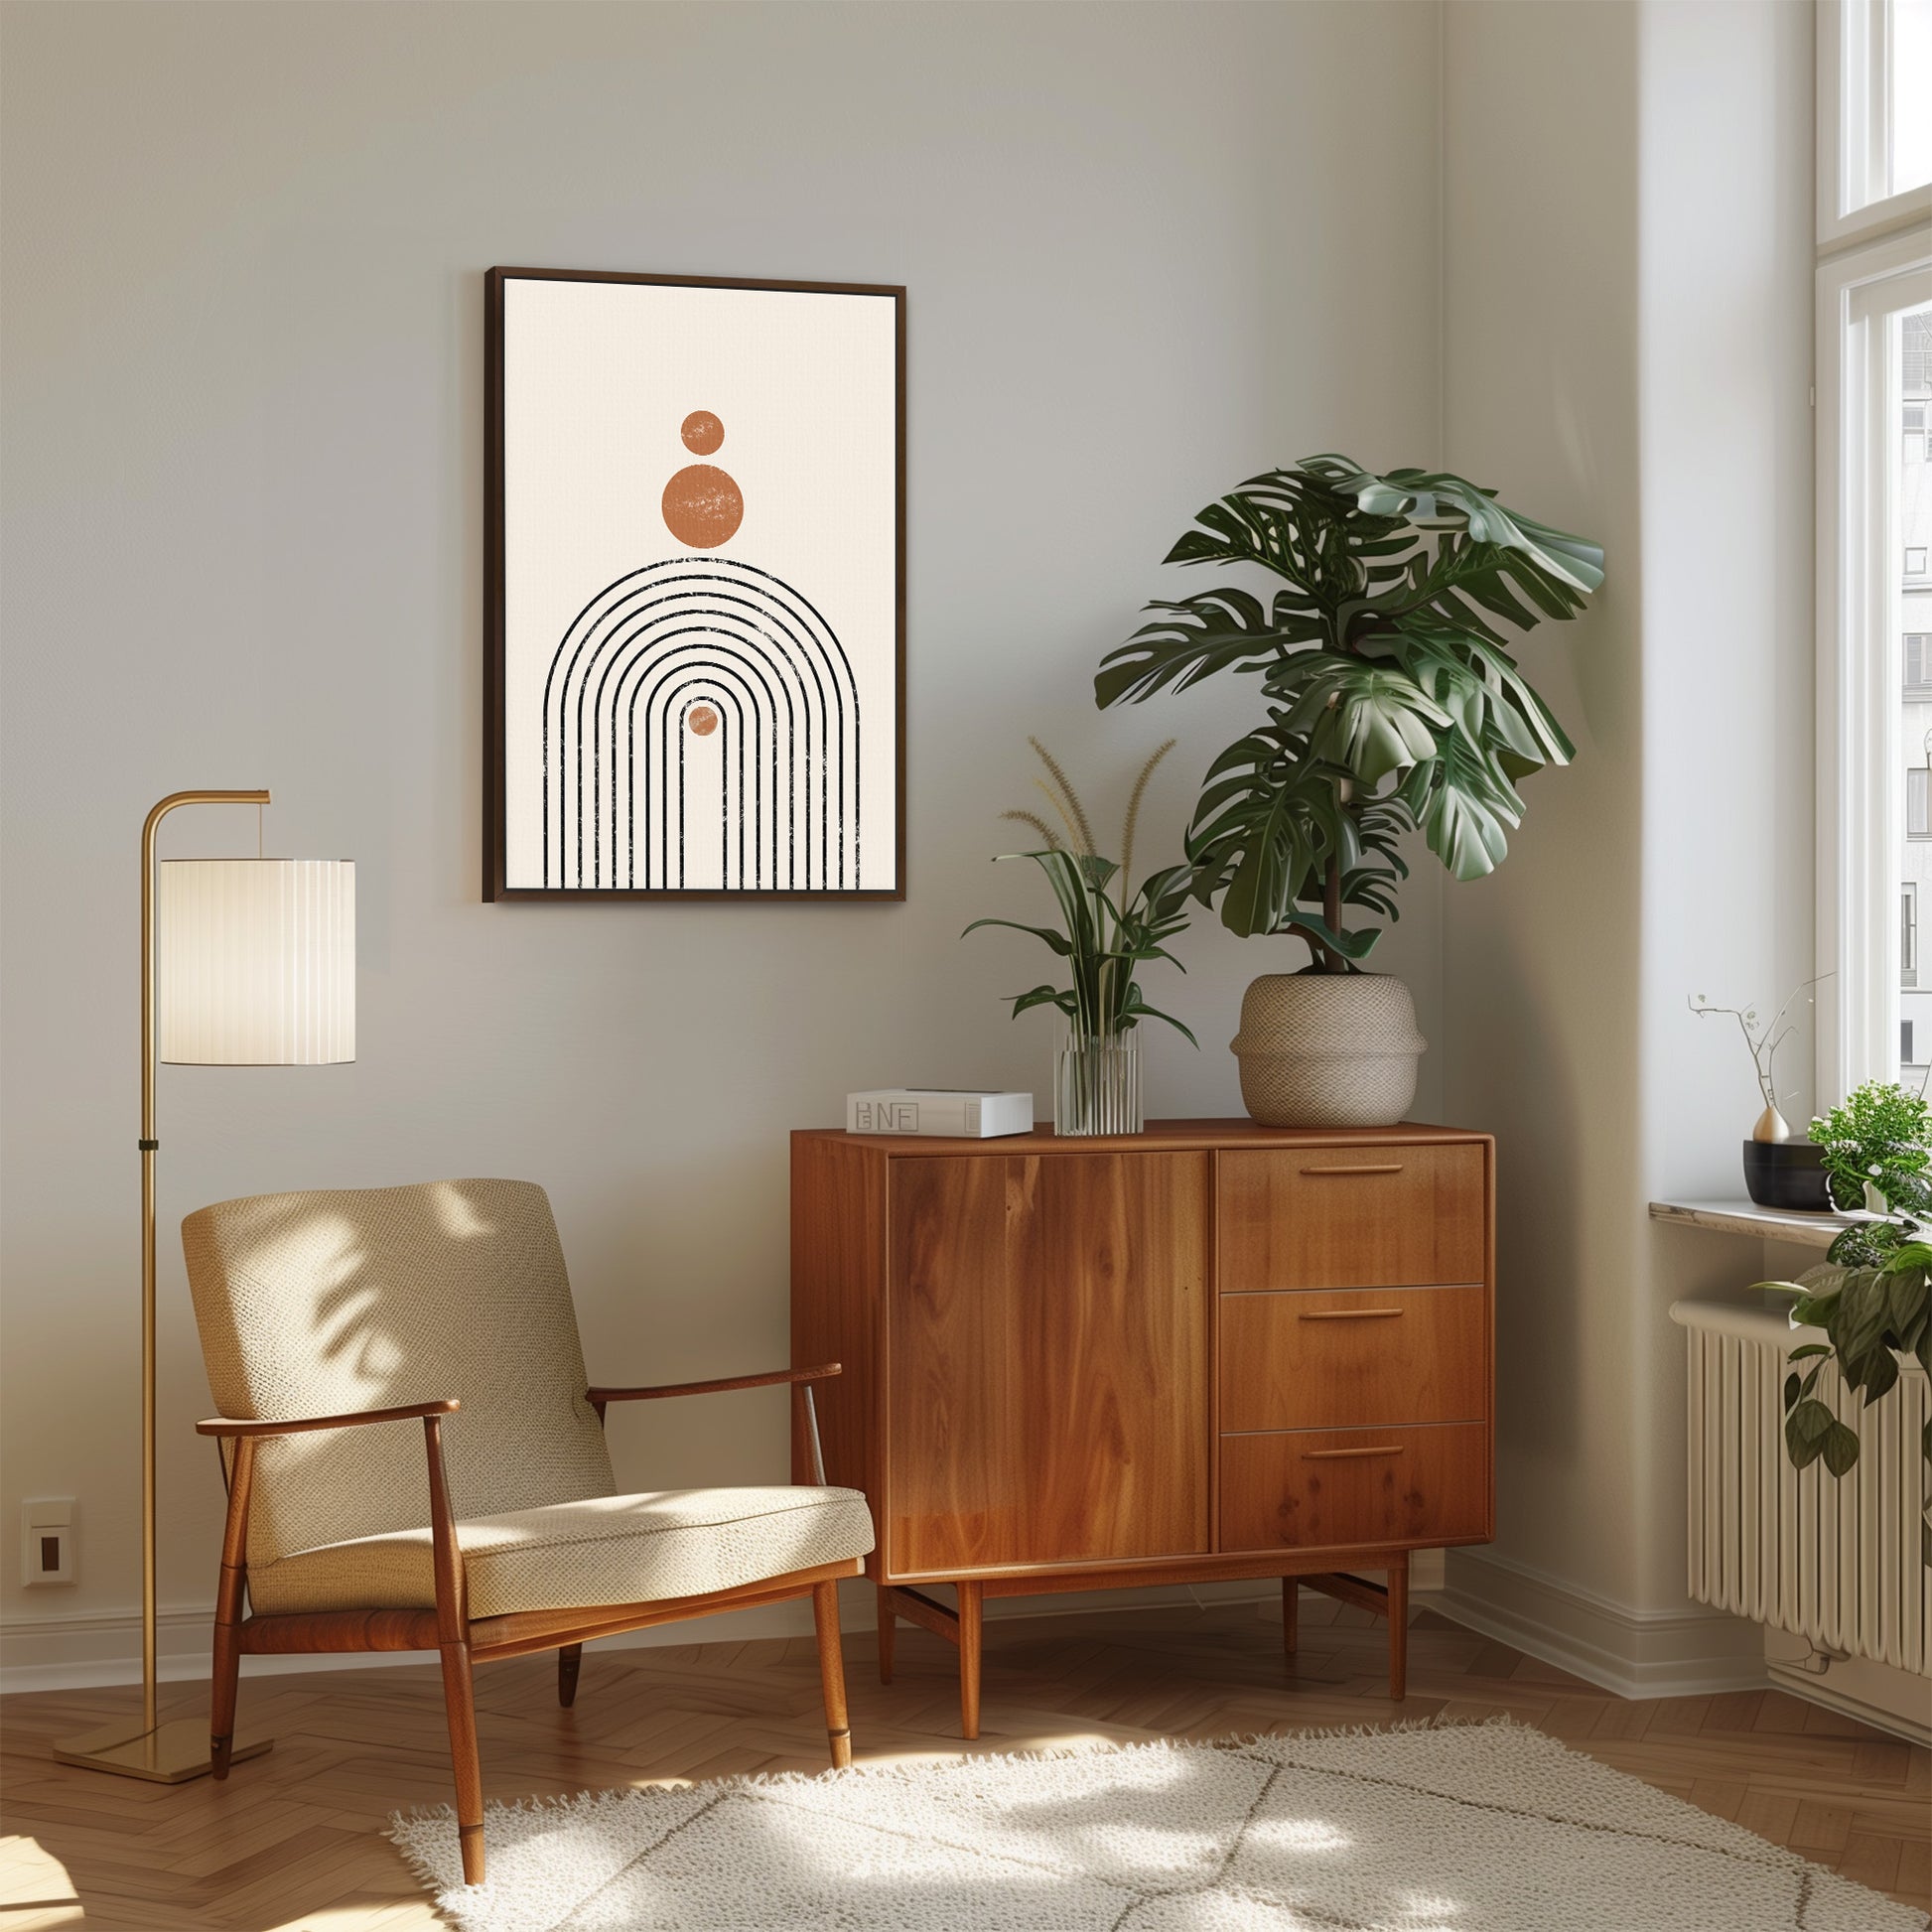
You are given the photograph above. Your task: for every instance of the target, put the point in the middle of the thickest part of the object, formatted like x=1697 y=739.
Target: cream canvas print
x=695 y=554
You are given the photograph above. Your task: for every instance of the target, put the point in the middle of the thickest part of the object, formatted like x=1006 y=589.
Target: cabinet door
x=1047 y=1361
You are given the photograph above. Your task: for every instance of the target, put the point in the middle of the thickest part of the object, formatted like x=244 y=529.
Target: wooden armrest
x=775 y=1379
x=228 y=1426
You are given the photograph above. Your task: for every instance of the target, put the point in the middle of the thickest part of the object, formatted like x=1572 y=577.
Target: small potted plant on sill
x=1106 y=935
x=1780 y=1170
x=1391 y=703
x=1872 y=1298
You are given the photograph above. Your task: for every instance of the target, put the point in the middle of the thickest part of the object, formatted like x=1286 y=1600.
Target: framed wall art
x=695 y=538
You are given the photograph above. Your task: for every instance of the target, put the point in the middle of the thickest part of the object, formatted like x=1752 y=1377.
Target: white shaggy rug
x=1478 y=1828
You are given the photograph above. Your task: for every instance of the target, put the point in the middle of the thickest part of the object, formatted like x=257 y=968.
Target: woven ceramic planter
x=1328 y=1049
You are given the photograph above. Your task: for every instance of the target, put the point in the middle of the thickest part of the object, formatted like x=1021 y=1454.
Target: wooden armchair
x=509 y=1537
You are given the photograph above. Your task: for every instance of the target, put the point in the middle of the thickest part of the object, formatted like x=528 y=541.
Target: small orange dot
x=704 y=721
x=702 y=432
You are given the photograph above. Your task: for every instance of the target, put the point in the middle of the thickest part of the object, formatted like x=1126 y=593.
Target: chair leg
x=459 y=1699
x=888 y=1633
x=230 y=1591
x=969 y=1658
x=831 y=1671
x=570 y=1660
x=1290 y=1615
x=1399 y=1628
x=221 y=1697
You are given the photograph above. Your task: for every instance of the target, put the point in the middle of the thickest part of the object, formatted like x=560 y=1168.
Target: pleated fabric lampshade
x=257 y=962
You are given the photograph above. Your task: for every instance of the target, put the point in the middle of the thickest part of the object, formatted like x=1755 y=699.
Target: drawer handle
x=1397 y=1168
x=1350 y=1314
x=1331 y=1455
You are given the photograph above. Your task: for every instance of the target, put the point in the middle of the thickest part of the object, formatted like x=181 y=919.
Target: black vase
x=1786 y=1173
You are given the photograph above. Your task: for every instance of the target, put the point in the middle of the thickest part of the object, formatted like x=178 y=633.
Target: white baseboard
x=1857 y=1687
x=99 y=1647
x=1690 y=1652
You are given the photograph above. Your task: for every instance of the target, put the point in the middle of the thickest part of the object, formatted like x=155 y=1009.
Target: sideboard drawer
x=1314 y=1360
x=1316 y=1488
x=1351 y=1216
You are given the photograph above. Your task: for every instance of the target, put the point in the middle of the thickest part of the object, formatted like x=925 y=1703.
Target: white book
x=961 y=1113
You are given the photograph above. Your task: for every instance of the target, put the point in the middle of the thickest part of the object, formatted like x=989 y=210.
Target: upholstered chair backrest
x=320 y=1304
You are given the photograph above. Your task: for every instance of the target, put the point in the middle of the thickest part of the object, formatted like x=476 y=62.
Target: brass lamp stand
x=261 y=954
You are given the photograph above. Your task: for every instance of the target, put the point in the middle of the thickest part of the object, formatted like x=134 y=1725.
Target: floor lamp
x=244 y=962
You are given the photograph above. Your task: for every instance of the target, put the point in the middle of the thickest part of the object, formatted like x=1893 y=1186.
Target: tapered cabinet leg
x=459 y=1699
x=888 y=1634
x=570 y=1660
x=831 y=1672
x=969 y=1658
x=1399 y=1628
x=1290 y=1615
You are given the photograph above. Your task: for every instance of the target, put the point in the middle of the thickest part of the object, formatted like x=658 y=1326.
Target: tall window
x=1874 y=527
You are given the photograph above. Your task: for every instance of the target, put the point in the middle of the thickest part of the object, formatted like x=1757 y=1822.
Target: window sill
x=1746 y=1217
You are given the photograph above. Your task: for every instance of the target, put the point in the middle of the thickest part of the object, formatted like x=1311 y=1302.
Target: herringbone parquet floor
x=289 y=1844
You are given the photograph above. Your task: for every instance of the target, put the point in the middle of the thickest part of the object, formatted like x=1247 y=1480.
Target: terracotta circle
x=702 y=432
x=702 y=506
x=703 y=720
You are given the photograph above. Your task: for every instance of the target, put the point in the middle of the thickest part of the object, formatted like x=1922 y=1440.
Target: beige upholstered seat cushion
x=579 y=1554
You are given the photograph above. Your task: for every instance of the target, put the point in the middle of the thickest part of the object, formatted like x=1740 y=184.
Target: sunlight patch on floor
x=35 y=1893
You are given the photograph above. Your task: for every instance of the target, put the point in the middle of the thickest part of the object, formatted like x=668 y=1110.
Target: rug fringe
x=401 y=1821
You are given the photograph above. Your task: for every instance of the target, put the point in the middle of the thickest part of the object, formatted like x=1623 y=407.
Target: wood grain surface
x=1353 y=1488
x=1329 y=1359
x=1343 y=1218
x=293 y=1842
x=1047 y=1380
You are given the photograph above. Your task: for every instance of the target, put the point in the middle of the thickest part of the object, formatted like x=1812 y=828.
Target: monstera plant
x=1389 y=696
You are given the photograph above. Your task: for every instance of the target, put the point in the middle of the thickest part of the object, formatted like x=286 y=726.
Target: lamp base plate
x=171 y=1753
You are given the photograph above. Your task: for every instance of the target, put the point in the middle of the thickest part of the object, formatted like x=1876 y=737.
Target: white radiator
x=1834 y=1560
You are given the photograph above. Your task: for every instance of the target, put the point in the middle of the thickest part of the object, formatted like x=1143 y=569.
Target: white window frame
x=1854 y=127
x=1875 y=249
x=1862 y=804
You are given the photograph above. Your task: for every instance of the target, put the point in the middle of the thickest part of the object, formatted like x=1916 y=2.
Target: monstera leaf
x=1267 y=818
x=1219 y=630
x=1425 y=497
x=1370 y=719
x=1383 y=664
x=1462 y=804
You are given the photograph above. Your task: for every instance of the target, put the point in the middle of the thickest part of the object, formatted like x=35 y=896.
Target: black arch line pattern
x=616 y=699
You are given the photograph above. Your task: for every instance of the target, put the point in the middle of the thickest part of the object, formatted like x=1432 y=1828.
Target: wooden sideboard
x=1213 y=1350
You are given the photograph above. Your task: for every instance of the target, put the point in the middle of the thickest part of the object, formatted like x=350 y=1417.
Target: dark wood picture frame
x=496 y=886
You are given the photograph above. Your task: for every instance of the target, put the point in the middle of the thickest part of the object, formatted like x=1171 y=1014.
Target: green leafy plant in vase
x=1872 y=1298
x=1391 y=703
x=1106 y=934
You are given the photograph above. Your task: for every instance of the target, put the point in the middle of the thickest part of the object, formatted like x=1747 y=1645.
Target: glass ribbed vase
x=1097 y=1084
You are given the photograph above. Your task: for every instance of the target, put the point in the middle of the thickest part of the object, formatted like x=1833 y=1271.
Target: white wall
x=1725 y=275
x=1627 y=321
x=1149 y=250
